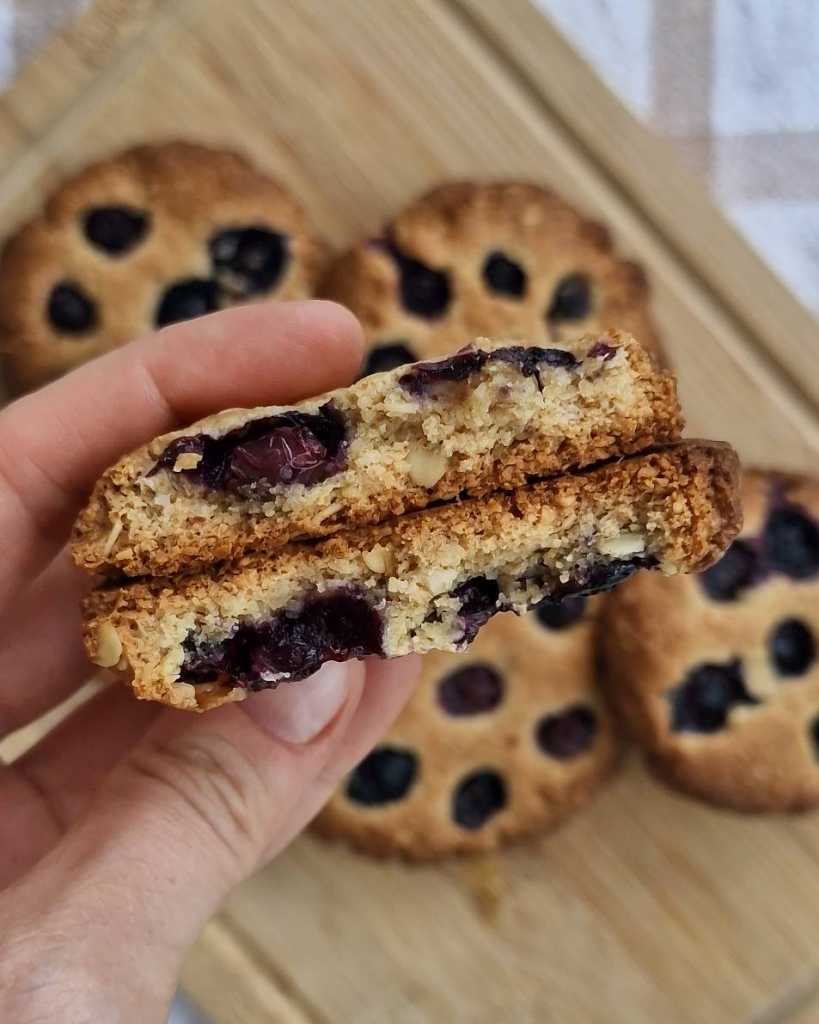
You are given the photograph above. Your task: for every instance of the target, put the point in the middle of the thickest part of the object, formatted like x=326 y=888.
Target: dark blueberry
x=813 y=729
x=115 y=229
x=423 y=378
x=703 y=700
x=247 y=261
x=504 y=276
x=567 y=733
x=792 y=647
x=790 y=543
x=472 y=690
x=733 y=573
x=385 y=775
x=571 y=299
x=186 y=300
x=333 y=626
x=296 y=447
x=600 y=577
x=388 y=357
x=70 y=310
x=424 y=291
x=478 y=797
x=560 y=614
x=530 y=360
x=600 y=350
x=479 y=602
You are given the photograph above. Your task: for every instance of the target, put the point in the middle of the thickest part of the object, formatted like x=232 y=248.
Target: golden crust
x=497 y=432
x=677 y=506
x=454 y=228
x=543 y=672
x=654 y=631
x=189 y=191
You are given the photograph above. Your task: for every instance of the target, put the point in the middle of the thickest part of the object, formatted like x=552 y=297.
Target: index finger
x=56 y=442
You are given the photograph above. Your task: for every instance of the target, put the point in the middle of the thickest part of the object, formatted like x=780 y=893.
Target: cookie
x=486 y=418
x=498 y=743
x=151 y=236
x=502 y=260
x=717 y=674
x=425 y=581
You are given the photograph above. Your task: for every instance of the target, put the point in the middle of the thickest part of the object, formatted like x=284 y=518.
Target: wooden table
x=648 y=907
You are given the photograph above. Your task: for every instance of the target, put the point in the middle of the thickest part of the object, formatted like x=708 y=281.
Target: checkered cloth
x=733 y=83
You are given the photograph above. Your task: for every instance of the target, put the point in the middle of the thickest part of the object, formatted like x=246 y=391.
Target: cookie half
x=151 y=236
x=423 y=582
x=504 y=741
x=487 y=418
x=717 y=675
x=502 y=260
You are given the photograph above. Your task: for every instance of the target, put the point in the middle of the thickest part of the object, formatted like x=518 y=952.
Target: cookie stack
x=509 y=736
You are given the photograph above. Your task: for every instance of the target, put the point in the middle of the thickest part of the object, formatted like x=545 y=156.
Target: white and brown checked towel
x=733 y=83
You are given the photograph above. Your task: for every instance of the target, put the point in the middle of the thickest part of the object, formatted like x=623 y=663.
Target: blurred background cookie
x=495 y=744
x=717 y=675
x=501 y=259
x=151 y=236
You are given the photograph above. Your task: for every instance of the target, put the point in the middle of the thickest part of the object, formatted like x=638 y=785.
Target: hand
x=123 y=829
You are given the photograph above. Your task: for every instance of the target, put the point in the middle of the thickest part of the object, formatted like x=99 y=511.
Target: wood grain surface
x=648 y=907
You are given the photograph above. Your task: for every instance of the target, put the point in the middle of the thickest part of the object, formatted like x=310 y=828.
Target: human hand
x=123 y=829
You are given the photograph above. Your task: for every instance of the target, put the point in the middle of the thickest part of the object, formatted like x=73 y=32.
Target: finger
x=55 y=442
x=189 y=812
x=47 y=788
x=42 y=658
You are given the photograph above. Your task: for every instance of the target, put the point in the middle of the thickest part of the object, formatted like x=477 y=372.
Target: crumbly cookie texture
x=498 y=743
x=502 y=259
x=490 y=417
x=426 y=581
x=716 y=675
x=150 y=236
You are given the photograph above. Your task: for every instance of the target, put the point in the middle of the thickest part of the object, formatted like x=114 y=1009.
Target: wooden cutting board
x=647 y=907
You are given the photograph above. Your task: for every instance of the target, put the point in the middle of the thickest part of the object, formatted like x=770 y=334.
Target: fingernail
x=298 y=712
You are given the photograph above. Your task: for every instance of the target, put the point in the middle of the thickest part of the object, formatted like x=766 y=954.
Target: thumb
x=192 y=810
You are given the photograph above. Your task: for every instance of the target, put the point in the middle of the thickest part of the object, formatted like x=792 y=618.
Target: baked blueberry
x=479 y=598
x=332 y=626
x=388 y=357
x=792 y=647
x=704 y=699
x=384 y=776
x=185 y=300
x=472 y=690
x=560 y=614
x=115 y=229
x=565 y=734
x=791 y=542
x=732 y=574
x=571 y=299
x=424 y=291
x=70 y=310
x=503 y=275
x=813 y=730
x=477 y=798
x=293 y=448
x=247 y=261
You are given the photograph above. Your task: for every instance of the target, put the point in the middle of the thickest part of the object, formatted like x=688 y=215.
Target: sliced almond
x=187 y=460
x=109 y=646
x=622 y=545
x=426 y=467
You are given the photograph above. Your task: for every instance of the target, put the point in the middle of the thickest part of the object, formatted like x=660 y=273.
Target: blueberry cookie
x=495 y=744
x=489 y=417
x=717 y=674
x=154 y=235
x=503 y=260
x=425 y=581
